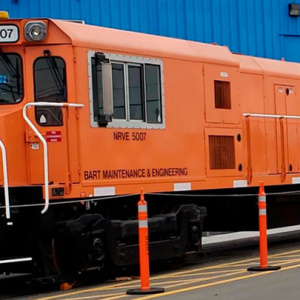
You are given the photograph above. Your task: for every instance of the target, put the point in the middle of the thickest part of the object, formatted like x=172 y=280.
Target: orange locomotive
x=89 y=115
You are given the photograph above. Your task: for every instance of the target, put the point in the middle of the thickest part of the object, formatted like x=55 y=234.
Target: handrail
x=283 y=167
x=280 y=117
x=271 y=116
x=45 y=147
x=5 y=180
x=249 y=167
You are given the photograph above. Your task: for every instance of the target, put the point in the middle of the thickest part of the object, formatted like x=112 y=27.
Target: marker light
x=35 y=31
x=4 y=15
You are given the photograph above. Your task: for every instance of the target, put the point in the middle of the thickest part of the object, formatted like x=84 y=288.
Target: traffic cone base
x=152 y=290
x=66 y=286
x=268 y=268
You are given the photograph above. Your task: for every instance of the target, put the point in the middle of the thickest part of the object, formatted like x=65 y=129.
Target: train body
x=90 y=115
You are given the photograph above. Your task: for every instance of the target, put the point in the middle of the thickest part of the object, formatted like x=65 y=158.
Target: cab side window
x=153 y=94
x=118 y=91
x=49 y=86
x=135 y=89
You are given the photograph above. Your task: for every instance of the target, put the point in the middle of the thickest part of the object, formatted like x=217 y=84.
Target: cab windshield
x=11 y=80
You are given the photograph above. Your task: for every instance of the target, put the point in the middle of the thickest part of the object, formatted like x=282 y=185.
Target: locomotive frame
x=89 y=115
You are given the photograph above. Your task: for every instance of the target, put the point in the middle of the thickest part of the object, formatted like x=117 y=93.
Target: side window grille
x=222 y=94
x=221 y=152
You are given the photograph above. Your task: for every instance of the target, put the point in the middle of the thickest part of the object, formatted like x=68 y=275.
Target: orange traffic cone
x=263 y=239
x=144 y=253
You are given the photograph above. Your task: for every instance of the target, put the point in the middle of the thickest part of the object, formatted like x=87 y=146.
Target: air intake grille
x=222 y=94
x=221 y=152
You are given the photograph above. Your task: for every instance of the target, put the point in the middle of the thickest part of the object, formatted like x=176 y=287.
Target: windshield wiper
x=58 y=79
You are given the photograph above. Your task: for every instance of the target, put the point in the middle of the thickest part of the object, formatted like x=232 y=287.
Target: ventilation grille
x=221 y=152
x=222 y=94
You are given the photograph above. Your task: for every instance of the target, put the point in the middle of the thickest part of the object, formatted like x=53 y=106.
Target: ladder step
x=15 y=260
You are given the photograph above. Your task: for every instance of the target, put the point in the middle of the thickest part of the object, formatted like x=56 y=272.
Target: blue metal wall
x=256 y=27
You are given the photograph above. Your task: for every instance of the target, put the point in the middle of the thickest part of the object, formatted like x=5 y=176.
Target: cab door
x=52 y=72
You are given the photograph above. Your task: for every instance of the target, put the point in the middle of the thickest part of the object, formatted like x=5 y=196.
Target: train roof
x=151 y=45
x=270 y=67
x=279 y=68
x=127 y=42
x=146 y=44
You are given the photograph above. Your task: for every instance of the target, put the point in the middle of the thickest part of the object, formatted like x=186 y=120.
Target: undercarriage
x=87 y=236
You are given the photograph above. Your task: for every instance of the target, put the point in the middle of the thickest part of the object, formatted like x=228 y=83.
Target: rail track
x=216 y=249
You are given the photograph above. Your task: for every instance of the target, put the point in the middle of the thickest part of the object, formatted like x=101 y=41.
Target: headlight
x=35 y=31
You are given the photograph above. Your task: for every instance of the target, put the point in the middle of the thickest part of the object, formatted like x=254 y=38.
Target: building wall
x=255 y=27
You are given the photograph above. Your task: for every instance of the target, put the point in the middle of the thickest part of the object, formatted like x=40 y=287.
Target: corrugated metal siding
x=255 y=27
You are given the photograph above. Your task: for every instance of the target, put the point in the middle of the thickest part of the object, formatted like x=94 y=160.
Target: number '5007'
x=138 y=136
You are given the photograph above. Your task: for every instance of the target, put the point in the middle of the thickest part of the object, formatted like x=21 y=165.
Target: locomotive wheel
x=67 y=262
x=64 y=259
x=78 y=246
x=42 y=259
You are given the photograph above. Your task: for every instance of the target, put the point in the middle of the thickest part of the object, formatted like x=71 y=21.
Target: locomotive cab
x=39 y=136
x=36 y=71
